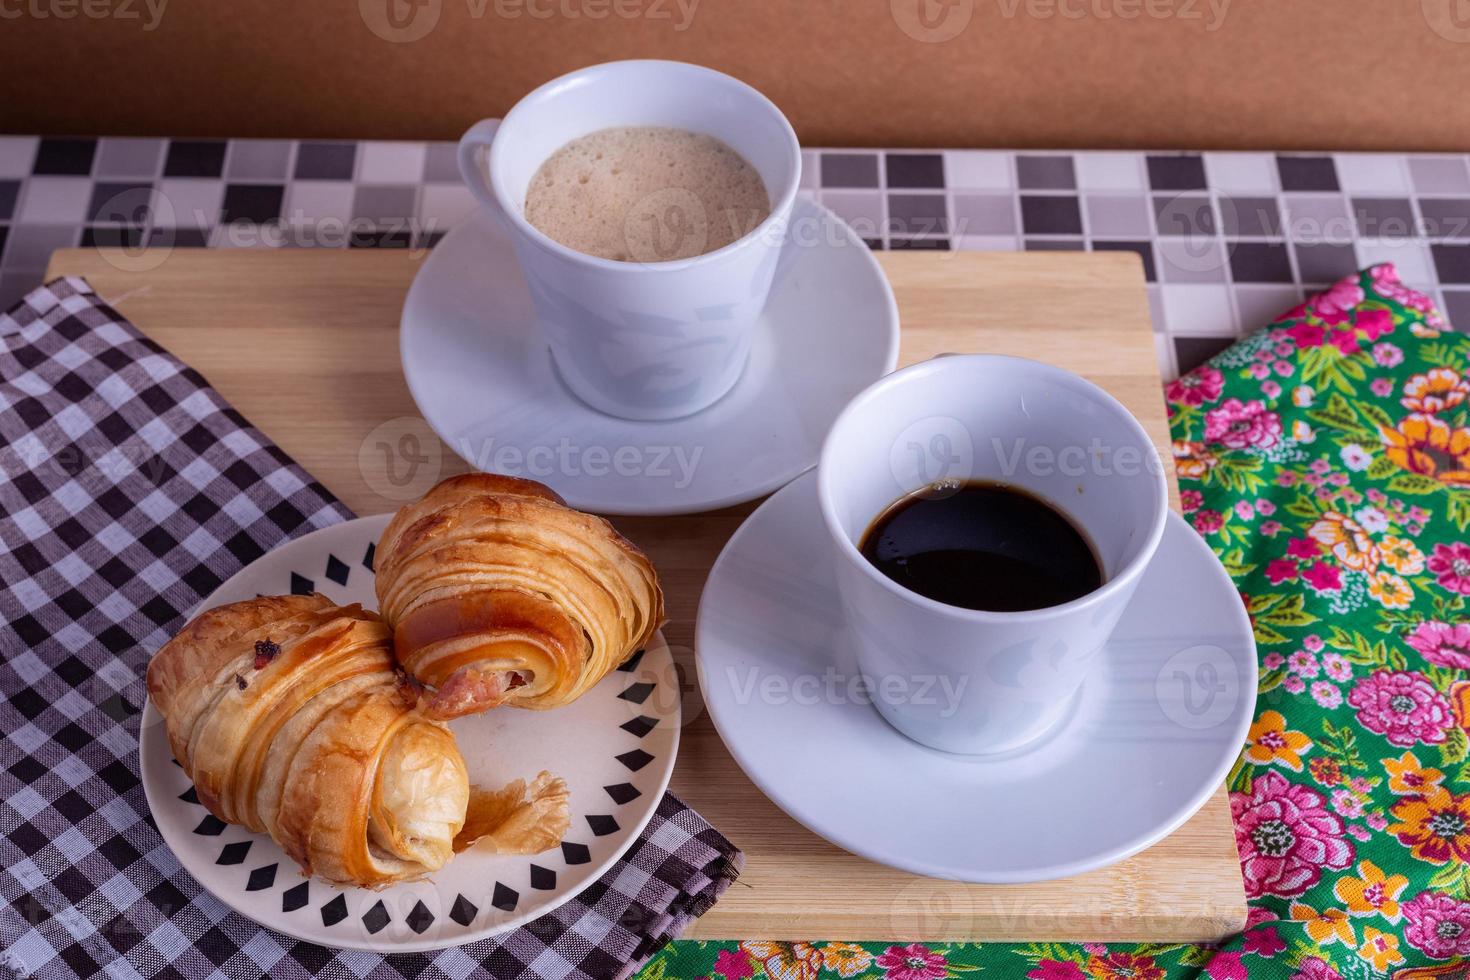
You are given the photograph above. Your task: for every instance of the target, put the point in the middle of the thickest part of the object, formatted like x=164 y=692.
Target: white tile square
x=971 y=169
x=1370 y=174
x=1110 y=171
x=316 y=201
x=861 y=210
x=1197 y=309
x=810 y=171
x=17 y=153
x=1118 y=216
x=1258 y=305
x=987 y=243
x=390 y=163
x=55 y=200
x=1164 y=351
x=1410 y=257
x=442 y=206
x=1241 y=171
x=187 y=202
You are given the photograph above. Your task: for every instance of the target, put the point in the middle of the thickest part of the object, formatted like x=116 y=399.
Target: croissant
x=289 y=715
x=497 y=592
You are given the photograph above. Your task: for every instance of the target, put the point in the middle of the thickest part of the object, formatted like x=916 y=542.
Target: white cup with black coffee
x=647 y=202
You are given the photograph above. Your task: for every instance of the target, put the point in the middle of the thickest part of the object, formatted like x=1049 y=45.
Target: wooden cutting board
x=305 y=344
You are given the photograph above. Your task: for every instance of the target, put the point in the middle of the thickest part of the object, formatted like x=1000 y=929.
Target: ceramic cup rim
x=979 y=366
x=601 y=74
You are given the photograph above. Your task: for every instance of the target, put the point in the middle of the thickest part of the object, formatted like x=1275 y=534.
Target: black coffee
x=982 y=546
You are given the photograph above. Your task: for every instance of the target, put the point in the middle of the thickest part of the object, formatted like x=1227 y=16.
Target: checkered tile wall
x=1227 y=240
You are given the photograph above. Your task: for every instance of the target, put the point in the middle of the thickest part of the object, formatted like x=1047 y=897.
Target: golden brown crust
x=288 y=714
x=498 y=592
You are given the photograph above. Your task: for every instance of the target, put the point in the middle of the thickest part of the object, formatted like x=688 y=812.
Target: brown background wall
x=1331 y=74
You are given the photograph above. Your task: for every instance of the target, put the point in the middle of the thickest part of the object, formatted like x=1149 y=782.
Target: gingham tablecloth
x=128 y=491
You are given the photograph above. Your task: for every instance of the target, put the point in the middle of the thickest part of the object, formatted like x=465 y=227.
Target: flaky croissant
x=290 y=717
x=497 y=592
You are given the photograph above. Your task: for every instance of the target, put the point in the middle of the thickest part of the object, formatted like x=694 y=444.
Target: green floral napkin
x=1326 y=459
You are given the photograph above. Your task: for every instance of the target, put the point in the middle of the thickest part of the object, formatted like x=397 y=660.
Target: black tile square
x=69 y=157
x=915 y=170
x=1457 y=308
x=377 y=238
x=1045 y=173
x=918 y=244
x=917 y=214
x=1177 y=173
x=1185 y=214
x=1384 y=217
x=112 y=236
x=1143 y=250
x=195 y=158
x=252 y=202
x=1324 y=262
x=1250 y=216
x=1050 y=215
x=325 y=161
x=122 y=203
x=1042 y=245
x=1452 y=262
x=178 y=238
x=9 y=190
x=1259 y=262
x=1446 y=218
x=1191 y=352
x=1307 y=173
x=849 y=170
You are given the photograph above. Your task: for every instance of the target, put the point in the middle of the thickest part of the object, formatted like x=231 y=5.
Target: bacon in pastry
x=289 y=714
x=499 y=593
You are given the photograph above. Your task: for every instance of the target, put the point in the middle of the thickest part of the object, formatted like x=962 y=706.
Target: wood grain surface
x=305 y=344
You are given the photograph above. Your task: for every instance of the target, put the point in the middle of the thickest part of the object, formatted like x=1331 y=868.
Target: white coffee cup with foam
x=640 y=339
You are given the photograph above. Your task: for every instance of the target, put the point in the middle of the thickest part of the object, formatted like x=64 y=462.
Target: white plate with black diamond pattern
x=614 y=746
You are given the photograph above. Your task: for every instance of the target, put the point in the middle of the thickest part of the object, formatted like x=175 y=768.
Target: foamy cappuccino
x=646 y=194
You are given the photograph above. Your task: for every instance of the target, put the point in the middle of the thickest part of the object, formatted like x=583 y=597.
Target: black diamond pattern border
x=639 y=726
x=334 y=911
x=210 y=826
x=234 y=853
x=337 y=570
x=377 y=918
x=623 y=793
x=296 y=898
x=637 y=693
x=602 y=824
x=634 y=759
x=505 y=898
x=464 y=911
x=261 y=878
x=420 y=918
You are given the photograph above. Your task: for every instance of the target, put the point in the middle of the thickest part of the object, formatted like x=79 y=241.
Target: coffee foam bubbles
x=646 y=194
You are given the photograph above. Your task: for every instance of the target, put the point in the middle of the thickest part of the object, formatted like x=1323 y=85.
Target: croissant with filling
x=292 y=720
x=499 y=593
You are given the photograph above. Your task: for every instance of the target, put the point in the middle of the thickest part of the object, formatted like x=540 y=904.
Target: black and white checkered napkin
x=128 y=491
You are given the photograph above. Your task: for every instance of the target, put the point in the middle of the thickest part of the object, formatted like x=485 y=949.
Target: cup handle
x=476 y=138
